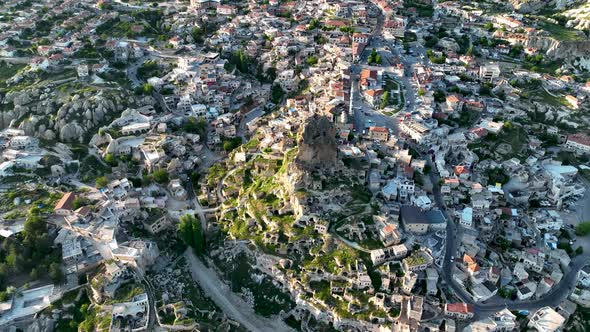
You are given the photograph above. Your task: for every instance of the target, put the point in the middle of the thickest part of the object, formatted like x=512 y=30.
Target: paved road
x=229 y=302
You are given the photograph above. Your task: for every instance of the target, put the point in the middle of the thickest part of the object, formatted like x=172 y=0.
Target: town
x=267 y=165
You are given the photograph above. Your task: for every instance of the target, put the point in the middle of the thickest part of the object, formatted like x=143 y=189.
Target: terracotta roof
x=378 y=129
x=461 y=170
x=66 y=202
x=460 y=307
x=453 y=99
x=580 y=139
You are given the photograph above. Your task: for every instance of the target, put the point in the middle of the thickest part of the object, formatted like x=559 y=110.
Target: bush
x=230 y=144
x=583 y=229
x=160 y=176
x=101 y=182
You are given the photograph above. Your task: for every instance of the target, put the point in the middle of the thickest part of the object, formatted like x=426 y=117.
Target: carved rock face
x=317 y=148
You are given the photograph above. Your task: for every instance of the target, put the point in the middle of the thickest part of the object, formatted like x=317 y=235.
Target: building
x=155 y=222
x=579 y=143
x=459 y=310
x=415 y=308
x=226 y=10
x=415 y=130
x=135 y=128
x=389 y=234
x=546 y=320
x=419 y=221
x=378 y=133
x=395 y=26
x=379 y=256
x=65 y=206
x=360 y=38
x=573 y=101
x=488 y=73
x=418 y=261
x=373 y=96
x=204 y=4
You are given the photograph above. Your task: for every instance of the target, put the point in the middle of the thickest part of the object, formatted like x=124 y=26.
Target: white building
x=546 y=320
x=579 y=143
x=489 y=72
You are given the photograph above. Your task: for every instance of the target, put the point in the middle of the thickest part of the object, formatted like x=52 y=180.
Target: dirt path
x=230 y=303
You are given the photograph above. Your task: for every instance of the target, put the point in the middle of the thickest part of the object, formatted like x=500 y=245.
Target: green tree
x=384 y=100
x=312 y=61
x=439 y=96
x=55 y=272
x=197 y=34
x=229 y=144
x=110 y=159
x=277 y=94
x=195 y=126
x=373 y=56
x=421 y=92
x=583 y=228
x=489 y=26
x=147 y=89
x=160 y=176
x=191 y=233
x=101 y=182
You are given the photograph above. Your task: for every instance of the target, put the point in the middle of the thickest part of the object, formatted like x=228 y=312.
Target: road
x=229 y=302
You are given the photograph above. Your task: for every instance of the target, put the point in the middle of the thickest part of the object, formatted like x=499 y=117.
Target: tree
x=378 y=59
x=79 y=202
x=197 y=35
x=350 y=136
x=384 y=100
x=469 y=50
x=191 y=233
x=485 y=90
x=110 y=159
x=277 y=94
x=34 y=274
x=421 y=92
x=195 y=126
x=313 y=24
x=439 y=96
x=229 y=144
x=147 y=89
x=489 y=26
x=373 y=56
x=101 y=182
x=55 y=272
x=241 y=61
x=583 y=228
x=160 y=176
x=312 y=61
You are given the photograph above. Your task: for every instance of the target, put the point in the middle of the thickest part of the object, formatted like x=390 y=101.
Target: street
x=231 y=303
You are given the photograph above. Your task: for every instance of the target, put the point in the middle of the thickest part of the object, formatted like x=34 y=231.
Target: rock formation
x=317 y=147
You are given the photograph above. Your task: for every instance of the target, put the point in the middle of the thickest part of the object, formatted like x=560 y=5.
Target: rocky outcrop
x=532 y=6
x=45 y=113
x=317 y=148
x=572 y=52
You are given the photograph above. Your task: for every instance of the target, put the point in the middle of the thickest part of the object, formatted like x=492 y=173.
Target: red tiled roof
x=378 y=129
x=460 y=307
x=66 y=202
x=580 y=139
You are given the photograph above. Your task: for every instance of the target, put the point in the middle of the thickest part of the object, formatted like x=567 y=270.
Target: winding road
x=231 y=304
